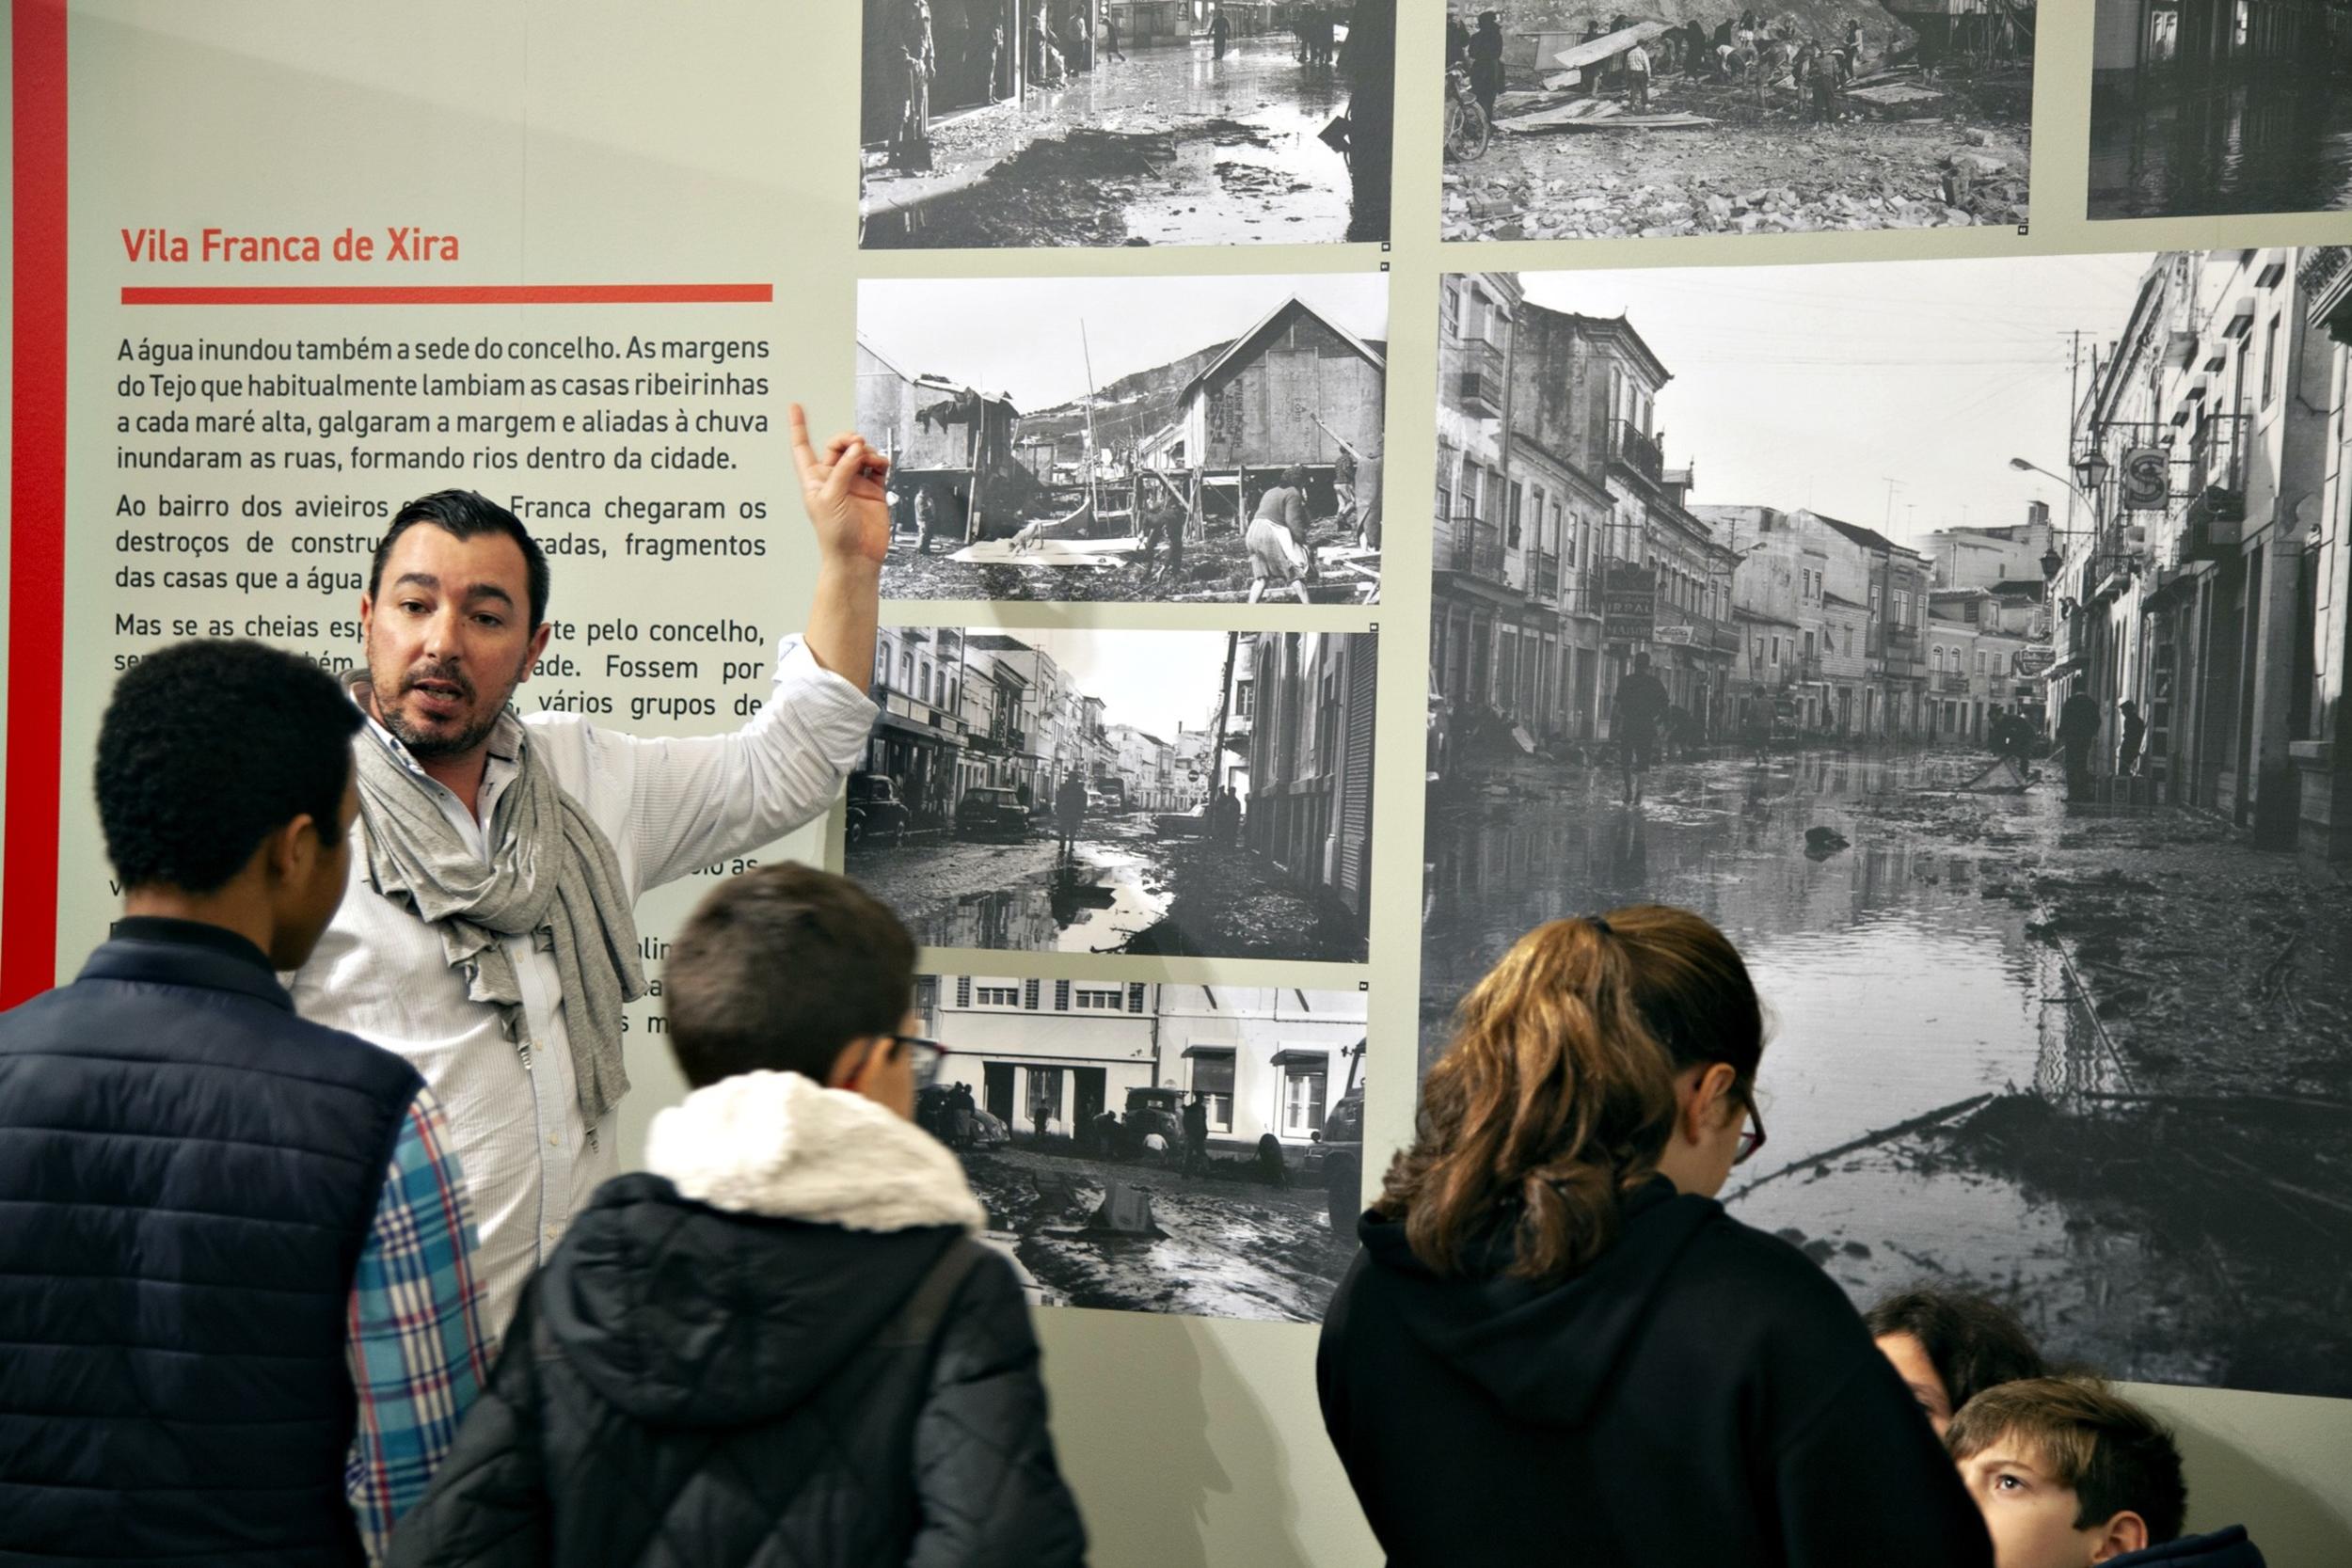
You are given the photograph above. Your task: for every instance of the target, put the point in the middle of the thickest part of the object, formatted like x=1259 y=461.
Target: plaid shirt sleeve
x=414 y=1338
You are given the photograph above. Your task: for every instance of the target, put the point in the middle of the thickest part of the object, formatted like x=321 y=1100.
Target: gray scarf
x=551 y=872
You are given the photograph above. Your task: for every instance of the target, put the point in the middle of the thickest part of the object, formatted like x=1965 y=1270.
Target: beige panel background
x=615 y=142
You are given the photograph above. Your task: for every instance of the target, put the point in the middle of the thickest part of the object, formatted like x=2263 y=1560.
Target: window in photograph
x=1304 y=1075
x=997 y=996
x=1213 y=1077
x=1109 y=999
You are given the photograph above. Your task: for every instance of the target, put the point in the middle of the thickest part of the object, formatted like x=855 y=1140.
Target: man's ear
x=850 y=1067
x=2125 y=1533
x=538 y=646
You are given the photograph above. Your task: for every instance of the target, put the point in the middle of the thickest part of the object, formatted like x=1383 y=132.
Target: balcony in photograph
x=2326 y=279
x=1477 y=549
x=1547 y=577
x=1644 y=456
x=1954 y=681
x=2213 y=525
x=1481 y=384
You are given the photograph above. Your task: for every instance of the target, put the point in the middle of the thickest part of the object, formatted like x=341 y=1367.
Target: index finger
x=801 y=453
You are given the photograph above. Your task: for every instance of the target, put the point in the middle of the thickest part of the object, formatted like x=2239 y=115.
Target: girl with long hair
x=1555 y=1346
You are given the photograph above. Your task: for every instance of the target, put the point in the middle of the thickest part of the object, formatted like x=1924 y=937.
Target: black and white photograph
x=1148 y=1147
x=1175 y=440
x=1182 y=793
x=2202 y=107
x=1567 y=122
x=1017 y=123
x=1969 y=639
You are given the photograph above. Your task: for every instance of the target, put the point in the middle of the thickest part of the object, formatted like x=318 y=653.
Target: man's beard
x=425 y=746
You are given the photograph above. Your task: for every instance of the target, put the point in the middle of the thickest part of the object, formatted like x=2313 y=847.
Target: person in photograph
x=1637 y=64
x=1196 y=1132
x=1640 y=704
x=2078 y=735
x=1553 y=1339
x=2135 y=735
x=1486 y=62
x=912 y=147
x=1277 y=538
x=1070 y=815
x=490 y=933
x=2071 y=1474
x=1162 y=523
x=928 y=510
x=1950 y=1346
x=782 y=1341
x=1110 y=36
x=1219 y=31
x=236 y=1279
x=1225 y=813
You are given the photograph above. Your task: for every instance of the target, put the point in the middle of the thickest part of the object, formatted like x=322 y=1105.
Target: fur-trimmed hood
x=779 y=1226
x=778 y=1144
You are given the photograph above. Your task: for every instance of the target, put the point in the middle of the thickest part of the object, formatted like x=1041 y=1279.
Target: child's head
x=1950 y=1347
x=792 y=969
x=2067 y=1472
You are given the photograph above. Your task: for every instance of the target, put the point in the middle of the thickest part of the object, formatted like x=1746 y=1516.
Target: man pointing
x=489 y=933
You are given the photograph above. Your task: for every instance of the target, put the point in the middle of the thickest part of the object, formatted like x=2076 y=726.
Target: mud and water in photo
x=2116 y=1092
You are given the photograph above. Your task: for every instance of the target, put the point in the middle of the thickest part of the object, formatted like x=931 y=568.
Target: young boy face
x=2031 y=1517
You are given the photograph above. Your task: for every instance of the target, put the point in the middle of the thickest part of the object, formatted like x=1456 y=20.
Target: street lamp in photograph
x=2092 y=466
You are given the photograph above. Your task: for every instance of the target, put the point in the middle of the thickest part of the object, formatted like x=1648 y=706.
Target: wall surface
x=604 y=143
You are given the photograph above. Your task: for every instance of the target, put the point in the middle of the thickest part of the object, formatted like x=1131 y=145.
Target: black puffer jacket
x=686 y=1385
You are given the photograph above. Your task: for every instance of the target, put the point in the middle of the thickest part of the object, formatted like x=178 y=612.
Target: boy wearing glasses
x=780 y=1341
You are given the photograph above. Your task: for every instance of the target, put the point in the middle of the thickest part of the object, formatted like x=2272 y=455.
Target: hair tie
x=1598 y=923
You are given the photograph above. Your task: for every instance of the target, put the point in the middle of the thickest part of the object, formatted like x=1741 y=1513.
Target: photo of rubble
x=1565 y=120
x=1156 y=1148
x=1176 y=440
x=1017 y=123
x=1181 y=793
x=1969 y=641
x=2199 y=107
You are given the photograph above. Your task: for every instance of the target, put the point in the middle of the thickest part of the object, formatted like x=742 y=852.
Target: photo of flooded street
x=1951 y=997
x=1125 y=122
x=2199 y=108
x=2015 y=796
x=1173 y=793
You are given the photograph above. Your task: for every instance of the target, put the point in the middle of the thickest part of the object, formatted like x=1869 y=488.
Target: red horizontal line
x=463 y=293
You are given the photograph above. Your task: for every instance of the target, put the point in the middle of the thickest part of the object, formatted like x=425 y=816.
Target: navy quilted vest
x=187 y=1174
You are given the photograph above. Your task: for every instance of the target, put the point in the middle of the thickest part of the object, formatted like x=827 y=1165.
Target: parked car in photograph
x=875 y=810
x=957 y=1123
x=989 y=812
x=1151 y=1111
x=1341 y=1142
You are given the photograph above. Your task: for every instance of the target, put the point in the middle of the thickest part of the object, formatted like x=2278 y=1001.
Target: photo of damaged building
x=1176 y=793
x=1226 y=469
x=1113 y=123
x=1570 y=121
x=1155 y=1146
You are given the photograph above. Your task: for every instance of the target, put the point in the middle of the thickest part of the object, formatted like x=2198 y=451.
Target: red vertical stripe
x=28 y=894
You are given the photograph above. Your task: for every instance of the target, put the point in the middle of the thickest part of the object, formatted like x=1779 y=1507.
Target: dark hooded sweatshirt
x=1702 y=1394
x=692 y=1388
x=2223 y=1548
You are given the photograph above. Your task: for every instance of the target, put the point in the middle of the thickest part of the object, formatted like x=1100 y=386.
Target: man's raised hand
x=842 y=491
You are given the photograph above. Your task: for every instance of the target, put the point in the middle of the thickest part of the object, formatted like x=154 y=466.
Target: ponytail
x=1557 y=1096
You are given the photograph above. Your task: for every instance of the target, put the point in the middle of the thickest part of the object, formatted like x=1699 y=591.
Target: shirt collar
x=190 y=933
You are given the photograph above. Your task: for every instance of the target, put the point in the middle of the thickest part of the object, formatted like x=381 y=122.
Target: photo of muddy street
x=1184 y=794
x=1692 y=117
x=995 y=123
x=2203 y=108
x=1149 y=1147
x=2015 y=796
x=1176 y=440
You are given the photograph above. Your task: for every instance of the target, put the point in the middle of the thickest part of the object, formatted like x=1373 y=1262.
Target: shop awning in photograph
x=1302 y=1058
x=1195 y=1051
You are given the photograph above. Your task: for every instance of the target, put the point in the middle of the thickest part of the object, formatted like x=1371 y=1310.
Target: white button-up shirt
x=669 y=805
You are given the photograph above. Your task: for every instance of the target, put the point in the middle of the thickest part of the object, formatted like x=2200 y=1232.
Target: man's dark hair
x=465 y=515
x=185 y=802
x=1972 y=1341
x=780 y=969
x=2114 y=1456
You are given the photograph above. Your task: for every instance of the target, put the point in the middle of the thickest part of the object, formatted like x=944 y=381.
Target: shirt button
x=554 y=1233
x=555 y=1140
